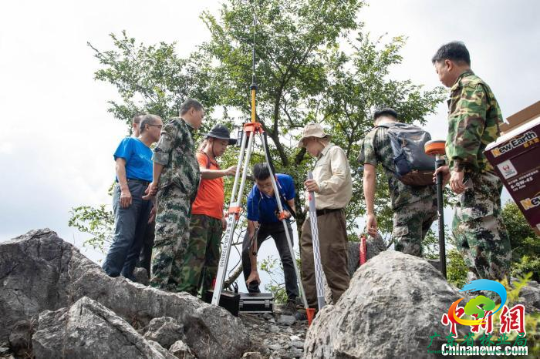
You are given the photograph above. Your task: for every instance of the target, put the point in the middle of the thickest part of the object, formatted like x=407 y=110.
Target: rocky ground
x=55 y=303
x=275 y=336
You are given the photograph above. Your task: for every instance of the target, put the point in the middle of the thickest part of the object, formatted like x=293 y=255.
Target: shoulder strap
x=209 y=161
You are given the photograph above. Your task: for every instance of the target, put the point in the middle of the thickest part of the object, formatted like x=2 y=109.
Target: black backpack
x=412 y=165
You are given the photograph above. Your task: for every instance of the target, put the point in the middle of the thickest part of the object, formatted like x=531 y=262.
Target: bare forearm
x=157 y=172
x=121 y=174
x=212 y=174
x=369 y=190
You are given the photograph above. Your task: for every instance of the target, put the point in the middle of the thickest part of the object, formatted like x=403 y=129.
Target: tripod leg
x=236 y=201
x=280 y=208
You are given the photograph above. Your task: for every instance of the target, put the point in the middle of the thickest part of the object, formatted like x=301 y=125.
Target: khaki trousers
x=333 y=247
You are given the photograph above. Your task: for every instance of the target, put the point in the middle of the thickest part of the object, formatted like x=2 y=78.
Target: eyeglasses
x=158 y=126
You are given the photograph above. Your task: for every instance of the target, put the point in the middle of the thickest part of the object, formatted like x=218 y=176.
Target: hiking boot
x=290 y=308
x=302 y=315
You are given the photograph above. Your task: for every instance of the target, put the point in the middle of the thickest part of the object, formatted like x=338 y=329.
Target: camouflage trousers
x=478 y=228
x=171 y=237
x=411 y=224
x=200 y=264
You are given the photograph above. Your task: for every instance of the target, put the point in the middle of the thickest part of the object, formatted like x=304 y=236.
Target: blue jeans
x=129 y=227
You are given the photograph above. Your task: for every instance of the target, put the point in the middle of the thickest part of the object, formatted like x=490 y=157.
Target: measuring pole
x=437 y=148
x=316 y=249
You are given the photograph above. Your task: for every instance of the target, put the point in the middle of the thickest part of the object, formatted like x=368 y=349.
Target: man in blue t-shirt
x=262 y=209
x=131 y=213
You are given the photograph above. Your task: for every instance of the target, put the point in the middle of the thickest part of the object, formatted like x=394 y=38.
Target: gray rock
x=164 y=352
x=165 y=330
x=286 y=320
x=20 y=338
x=141 y=276
x=180 y=350
x=394 y=303
x=4 y=349
x=274 y=329
x=274 y=347
x=89 y=330
x=252 y=355
x=39 y=271
x=298 y=344
x=529 y=295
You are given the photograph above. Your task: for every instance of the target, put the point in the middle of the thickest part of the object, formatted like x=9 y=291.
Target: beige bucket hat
x=312 y=130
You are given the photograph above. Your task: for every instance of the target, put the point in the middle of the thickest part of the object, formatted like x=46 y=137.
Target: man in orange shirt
x=200 y=263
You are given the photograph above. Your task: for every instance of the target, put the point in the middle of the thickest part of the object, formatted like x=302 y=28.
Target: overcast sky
x=57 y=139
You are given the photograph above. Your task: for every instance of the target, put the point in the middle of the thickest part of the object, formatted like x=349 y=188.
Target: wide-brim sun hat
x=312 y=130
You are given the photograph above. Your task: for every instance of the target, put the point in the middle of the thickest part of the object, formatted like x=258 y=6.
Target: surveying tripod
x=251 y=129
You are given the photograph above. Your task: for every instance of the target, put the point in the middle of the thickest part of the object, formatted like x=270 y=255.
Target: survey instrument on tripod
x=251 y=130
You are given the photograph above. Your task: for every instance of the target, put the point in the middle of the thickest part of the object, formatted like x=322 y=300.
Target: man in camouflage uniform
x=473 y=122
x=200 y=262
x=176 y=179
x=415 y=208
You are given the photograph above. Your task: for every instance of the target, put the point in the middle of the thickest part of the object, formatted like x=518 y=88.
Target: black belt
x=322 y=212
x=138 y=181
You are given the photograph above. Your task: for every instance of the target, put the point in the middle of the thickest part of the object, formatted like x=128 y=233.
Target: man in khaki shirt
x=332 y=185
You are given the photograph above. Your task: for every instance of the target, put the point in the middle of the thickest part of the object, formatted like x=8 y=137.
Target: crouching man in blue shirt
x=131 y=213
x=262 y=209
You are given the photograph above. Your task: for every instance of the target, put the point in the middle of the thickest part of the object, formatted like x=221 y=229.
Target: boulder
x=89 y=330
x=165 y=330
x=395 y=302
x=180 y=350
x=39 y=271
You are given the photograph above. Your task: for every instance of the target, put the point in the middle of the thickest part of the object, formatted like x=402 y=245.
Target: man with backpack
x=412 y=193
x=263 y=222
x=473 y=122
x=200 y=263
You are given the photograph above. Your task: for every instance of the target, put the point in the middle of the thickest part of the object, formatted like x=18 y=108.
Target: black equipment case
x=256 y=302
x=228 y=300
